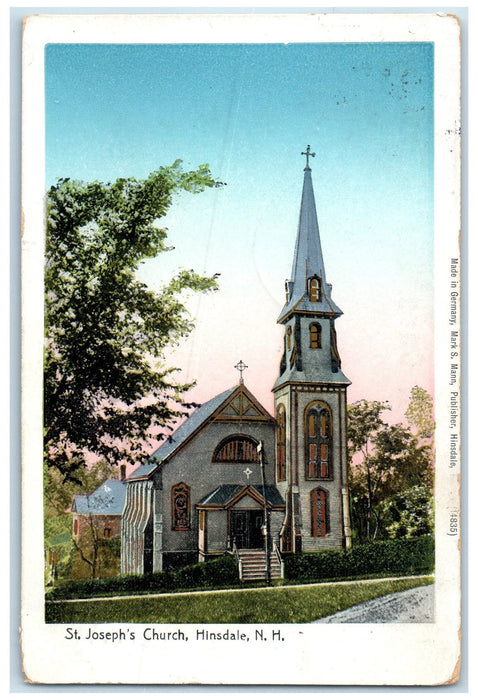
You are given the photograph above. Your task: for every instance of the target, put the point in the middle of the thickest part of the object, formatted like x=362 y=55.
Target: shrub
x=215 y=573
x=401 y=556
x=409 y=514
x=176 y=560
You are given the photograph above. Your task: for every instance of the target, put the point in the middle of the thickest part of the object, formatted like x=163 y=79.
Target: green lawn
x=273 y=605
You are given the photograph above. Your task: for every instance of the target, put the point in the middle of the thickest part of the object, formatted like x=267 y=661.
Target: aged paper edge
x=445 y=632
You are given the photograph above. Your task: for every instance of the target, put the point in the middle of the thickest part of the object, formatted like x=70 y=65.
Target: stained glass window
x=319 y=510
x=318 y=442
x=237 y=448
x=180 y=506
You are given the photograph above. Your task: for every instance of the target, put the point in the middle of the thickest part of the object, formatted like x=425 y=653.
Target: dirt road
x=414 y=605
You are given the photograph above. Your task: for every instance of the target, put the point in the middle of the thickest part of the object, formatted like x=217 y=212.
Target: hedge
x=399 y=556
x=215 y=573
x=387 y=557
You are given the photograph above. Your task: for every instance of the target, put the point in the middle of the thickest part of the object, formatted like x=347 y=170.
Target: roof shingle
x=194 y=421
x=107 y=499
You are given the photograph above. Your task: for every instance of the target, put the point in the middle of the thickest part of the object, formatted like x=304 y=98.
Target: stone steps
x=253 y=565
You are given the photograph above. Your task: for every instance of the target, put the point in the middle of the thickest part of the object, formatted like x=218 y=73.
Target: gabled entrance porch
x=231 y=519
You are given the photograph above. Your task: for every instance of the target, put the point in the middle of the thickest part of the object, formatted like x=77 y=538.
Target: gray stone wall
x=296 y=399
x=276 y=520
x=194 y=466
x=332 y=486
x=316 y=362
x=283 y=397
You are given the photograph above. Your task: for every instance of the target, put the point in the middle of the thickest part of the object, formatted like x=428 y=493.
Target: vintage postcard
x=241 y=349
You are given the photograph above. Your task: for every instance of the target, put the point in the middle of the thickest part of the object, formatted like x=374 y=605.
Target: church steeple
x=308 y=259
x=307 y=289
x=310 y=397
x=310 y=342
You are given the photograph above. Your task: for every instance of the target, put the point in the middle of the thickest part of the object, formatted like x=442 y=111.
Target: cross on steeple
x=307 y=154
x=240 y=368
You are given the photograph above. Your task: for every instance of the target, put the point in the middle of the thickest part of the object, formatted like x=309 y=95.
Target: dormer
x=289 y=288
x=314 y=288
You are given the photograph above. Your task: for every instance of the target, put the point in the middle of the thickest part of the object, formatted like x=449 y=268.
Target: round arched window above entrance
x=236 y=449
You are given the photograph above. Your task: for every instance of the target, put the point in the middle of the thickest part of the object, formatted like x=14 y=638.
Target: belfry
x=311 y=399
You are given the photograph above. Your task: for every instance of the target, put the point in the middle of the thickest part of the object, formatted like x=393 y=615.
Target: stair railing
x=235 y=552
x=278 y=554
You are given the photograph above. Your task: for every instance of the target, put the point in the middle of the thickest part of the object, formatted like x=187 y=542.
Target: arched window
x=180 y=507
x=108 y=529
x=318 y=439
x=319 y=513
x=75 y=526
x=315 y=335
x=314 y=289
x=238 y=448
x=281 y=443
x=289 y=336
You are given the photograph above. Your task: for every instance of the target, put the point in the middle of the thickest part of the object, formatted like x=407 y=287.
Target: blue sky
x=249 y=110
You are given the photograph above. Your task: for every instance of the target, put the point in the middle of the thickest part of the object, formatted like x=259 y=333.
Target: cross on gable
x=240 y=368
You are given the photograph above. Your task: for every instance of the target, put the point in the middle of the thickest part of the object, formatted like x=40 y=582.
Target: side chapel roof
x=238 y=398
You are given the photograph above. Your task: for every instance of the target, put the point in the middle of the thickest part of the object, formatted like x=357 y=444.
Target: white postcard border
x=429 y=653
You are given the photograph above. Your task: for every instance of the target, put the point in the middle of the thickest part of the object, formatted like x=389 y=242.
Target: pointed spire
x=308 y=263
x=310 y=350
x=308 y=260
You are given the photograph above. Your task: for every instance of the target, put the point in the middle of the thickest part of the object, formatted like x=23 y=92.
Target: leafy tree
x=364 y=423
x=420 y=413
x=100 y=554
x=421 y=418
x=58 y=546
x=409 y=514
x=58 y=497
x=386 y=460
x=106 y=389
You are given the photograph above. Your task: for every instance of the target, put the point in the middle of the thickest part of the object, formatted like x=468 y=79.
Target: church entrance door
x=246 y=530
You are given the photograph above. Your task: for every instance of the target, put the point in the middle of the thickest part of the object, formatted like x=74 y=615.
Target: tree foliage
x=58 y=495
x=75 y=558
x=420 y=413
x=95 y=555
x=409 y=514
x=387 y=460
x=106 y=389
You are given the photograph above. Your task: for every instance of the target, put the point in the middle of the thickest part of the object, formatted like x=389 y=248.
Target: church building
x=233 y=478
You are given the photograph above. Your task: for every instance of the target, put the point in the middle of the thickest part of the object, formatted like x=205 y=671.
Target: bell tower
x=310 y=397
